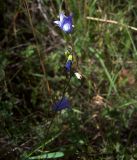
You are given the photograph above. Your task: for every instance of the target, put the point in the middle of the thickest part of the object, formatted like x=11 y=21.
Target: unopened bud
x=79 y=76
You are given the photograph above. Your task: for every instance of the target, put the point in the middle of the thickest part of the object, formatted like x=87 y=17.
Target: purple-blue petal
x=65 y=23
x=61 y=104
x=61 y=17
x=68 y=65
x=68 y=21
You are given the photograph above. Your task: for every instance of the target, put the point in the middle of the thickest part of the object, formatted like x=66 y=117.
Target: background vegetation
x=102 y=123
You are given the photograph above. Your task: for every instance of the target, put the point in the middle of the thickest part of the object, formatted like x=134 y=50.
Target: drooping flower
x=65 y=23
x=68 y=65
x=61 y=104
x=69 y=60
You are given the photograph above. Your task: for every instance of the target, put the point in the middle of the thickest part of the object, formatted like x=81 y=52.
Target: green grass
x=102 y=122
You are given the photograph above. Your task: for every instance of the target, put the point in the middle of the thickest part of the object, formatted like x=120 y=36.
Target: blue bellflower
x=65 y=23
x=61 y=104
x=68 y=65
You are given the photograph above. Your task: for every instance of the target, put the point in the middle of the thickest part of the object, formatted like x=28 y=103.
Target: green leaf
x=48 y=155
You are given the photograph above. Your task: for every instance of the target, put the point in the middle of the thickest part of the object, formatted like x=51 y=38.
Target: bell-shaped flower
x=68 y=65
x=65 y=23
x=61 y=104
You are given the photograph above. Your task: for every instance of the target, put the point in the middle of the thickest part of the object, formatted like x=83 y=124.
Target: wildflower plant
x=66 y=25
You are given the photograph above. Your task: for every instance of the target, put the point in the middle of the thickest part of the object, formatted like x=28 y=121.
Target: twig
x=112 y=22
x=37 y=47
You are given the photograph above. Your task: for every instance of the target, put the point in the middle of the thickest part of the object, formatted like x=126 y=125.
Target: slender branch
x=111 y=22
x=37 y=47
